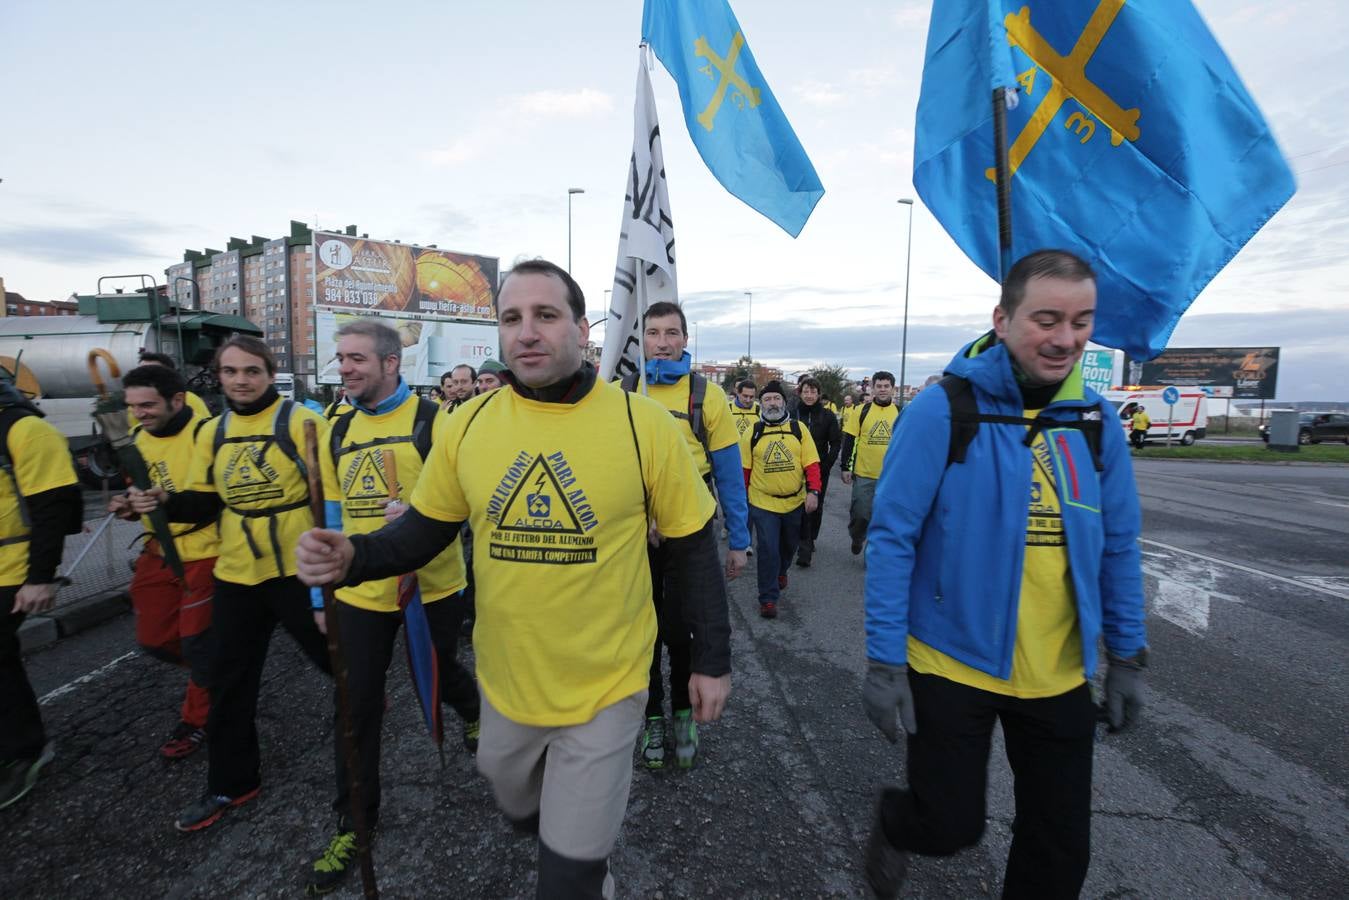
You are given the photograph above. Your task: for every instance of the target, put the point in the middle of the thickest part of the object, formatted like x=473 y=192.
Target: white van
x=285 y=384
x=1189 y=420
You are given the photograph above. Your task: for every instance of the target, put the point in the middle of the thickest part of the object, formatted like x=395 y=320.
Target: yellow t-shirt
x=554 y=495
x=744 y=418
x=777 y=464
x=198 y=406
x=359 y=482
x=169 y=460
x=252 y=474
x=869 y=448
x=1140 y=421
x=41 y=462
x=1047 y=659
x=721 y=431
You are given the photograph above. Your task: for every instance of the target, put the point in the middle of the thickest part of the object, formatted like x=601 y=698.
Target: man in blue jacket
x=1002 y=548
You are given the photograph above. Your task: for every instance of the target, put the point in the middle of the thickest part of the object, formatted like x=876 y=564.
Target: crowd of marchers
x=569 y=526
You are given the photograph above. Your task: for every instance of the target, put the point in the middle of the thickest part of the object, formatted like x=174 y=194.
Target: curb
x=45 y=629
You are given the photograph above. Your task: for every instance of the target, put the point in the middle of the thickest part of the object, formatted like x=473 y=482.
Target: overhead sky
x=136 y=130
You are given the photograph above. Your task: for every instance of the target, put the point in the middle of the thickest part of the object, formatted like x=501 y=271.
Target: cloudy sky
x=133 y=131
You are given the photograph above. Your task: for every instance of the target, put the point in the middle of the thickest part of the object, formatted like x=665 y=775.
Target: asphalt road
x=1234 y=786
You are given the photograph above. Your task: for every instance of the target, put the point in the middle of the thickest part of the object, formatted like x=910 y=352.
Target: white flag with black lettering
x=645 y=272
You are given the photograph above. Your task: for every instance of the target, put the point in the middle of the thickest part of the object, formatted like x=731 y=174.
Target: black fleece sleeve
x=195 y=507
x=830 y=455
x=405 y=545
x=693 y=573
x=845 y=455
x=55 y=514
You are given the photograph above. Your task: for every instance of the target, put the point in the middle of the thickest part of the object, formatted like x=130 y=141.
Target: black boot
x=804 y=551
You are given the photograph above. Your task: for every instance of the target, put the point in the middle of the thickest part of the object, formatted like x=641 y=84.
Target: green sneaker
x=18 y=776
x=686 y=738
x=330 y=868
x=653 y=743
x=471 y=732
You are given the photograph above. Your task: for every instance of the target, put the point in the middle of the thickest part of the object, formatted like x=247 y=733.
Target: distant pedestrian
x=865 y=441
x=1139 y=423
x=828 y=438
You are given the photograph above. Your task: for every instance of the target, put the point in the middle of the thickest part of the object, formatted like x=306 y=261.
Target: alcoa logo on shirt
x=879 y=434
x=540 y=514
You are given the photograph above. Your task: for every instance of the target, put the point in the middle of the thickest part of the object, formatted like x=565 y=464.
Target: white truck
x=1186 y=422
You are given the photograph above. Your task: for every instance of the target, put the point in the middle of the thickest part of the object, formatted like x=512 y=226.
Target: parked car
x=1313 y=428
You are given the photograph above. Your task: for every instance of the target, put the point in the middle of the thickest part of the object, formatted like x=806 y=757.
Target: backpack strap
x=760 y=425
x=8 y=416
x=965 y=419
x=423 y=425
x=629 y=382
x=694 y=416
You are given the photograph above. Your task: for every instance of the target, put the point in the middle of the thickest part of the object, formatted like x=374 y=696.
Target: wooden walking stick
x=338 y=661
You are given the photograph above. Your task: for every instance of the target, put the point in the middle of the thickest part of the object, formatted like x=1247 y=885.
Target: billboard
x=1239 y=372
x=439 y=301
x=1098 y=369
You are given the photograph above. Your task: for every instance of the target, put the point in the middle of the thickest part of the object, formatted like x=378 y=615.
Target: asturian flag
x=645 y=272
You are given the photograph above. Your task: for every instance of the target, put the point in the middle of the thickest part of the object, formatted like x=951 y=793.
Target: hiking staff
x=110 y=413
x=339 y=665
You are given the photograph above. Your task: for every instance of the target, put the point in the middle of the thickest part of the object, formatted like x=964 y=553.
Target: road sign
x=1171 y=396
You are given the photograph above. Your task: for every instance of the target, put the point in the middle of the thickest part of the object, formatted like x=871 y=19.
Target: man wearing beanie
x=489 y=376
x=782 y=475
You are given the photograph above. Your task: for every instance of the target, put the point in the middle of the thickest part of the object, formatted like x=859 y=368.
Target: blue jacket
x=946 y=545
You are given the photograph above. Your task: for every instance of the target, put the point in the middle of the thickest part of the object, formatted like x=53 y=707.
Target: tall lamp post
x=749 y=332
x=570 y=193
x=904 y=340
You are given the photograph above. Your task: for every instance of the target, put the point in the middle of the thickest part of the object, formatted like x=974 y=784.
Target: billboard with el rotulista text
x=1237 y=372
x=439 y=302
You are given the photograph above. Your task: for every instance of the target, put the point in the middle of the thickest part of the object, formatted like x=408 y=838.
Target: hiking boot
x=18 y=776
x=857 y=546
x=653 y=743
x=330 y=868
x=208 y=810
x=185 y=740
x=768 y=609
x=782 y=582
x=471 y=730
x=886 y=866
x=686 y=738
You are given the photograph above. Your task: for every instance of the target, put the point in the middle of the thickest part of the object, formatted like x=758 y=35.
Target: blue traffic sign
x=1171 y=396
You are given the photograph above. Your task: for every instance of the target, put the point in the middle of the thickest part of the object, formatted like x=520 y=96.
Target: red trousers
x=173 y=621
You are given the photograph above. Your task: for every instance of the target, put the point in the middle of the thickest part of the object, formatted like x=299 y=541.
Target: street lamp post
x=570 y=192
x=749 y=331
x=904 y=340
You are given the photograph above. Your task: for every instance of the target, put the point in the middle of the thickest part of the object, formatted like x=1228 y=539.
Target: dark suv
x=1313 y=428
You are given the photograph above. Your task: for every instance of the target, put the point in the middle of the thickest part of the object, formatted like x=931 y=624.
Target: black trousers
x=672 y=633
x=1049 y=746
x=21 y=732
x=243 y=618
x=367 y=643
x=810 y=527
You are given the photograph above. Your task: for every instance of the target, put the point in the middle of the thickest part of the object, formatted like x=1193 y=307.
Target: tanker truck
x=47 y=356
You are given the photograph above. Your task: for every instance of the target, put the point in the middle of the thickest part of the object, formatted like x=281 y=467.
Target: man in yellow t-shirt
x=40 y=503
x=744 y=407
x=1139 y=423
x=385 y=417
x=782 y=474
x=866 y=437
x=559 y=474
x=173 y=616
x=247 y=470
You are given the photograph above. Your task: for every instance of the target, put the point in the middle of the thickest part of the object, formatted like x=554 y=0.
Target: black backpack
x=760 y=425
x=965 y=419
x=423 y=423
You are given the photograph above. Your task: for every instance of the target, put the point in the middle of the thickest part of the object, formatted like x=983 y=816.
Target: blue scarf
x=668 y=371
x=390 y=402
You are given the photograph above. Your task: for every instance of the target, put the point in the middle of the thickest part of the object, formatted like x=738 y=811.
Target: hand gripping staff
x=110 y=412
x=423 y=664
x=339 y=665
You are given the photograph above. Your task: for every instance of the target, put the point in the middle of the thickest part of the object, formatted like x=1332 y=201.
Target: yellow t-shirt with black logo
x=744 y=418
x=869 y=447
x=777 y=464
x=254 y=474
x=359 y=481
x=1047 y=659
x=721 y=431
x=554 y=495
x=169 y=460
x=41 y=462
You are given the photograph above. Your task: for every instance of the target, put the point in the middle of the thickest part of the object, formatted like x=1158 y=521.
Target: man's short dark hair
x=163 y=359
x=808 y=381
x=741 y=385
x=446 y=376
x=1041 y=264
x=252 y=346
x=472 y=372
x=883 y=376
x=666 y=308
x=165 y=380
x=576 y=298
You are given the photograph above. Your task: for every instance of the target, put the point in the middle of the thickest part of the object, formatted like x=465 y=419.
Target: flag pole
x=1003 y=182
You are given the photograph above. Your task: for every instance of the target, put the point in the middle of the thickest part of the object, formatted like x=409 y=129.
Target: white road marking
x=1305 y=585
x=1332 y=503
x=85 y=679
x=1181 y=604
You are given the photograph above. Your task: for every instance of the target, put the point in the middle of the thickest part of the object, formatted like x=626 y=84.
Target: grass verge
x=1315 y=453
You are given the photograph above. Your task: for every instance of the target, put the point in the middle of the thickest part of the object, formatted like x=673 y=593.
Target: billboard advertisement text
x=1098 y=369
x=1239 y=372
x=378 y=276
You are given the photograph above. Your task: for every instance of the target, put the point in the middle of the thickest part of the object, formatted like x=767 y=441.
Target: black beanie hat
x=773 y=387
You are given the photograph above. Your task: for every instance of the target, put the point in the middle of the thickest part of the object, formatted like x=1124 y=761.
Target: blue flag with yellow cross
x=734 y=119
x=1134 y=144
